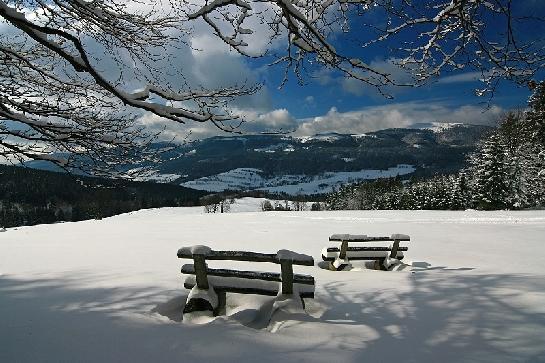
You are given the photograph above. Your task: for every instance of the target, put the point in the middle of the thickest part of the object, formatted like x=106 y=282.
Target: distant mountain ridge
x=280 y=153
x=428 y=149
x=270 y=160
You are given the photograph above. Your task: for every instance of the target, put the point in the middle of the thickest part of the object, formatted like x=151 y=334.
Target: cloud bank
x=368 y=119
x=400 y=115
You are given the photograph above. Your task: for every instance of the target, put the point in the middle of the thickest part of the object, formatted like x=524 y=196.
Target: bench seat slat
x=362 y=249
x=360 y=255
x=244 y=256
x=259 y=287
x=233 y=255
x=356 y=238
x=363 y=238
x=251 y=275
x=362 y=258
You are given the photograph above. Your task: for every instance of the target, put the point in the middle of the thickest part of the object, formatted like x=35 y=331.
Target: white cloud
x=207 y=45
x=309 y=100
x=258 y=41
x=398 y=115
x=279 y=120
x=461 y=78
x=353 y=86
x=324 y=77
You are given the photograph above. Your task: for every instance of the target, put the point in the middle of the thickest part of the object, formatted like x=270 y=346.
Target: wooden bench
x=340 y=256
x=209 y=286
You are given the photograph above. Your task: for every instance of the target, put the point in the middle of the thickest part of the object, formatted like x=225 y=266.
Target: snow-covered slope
x=237 y=179
x=154 y=176
x=250 y=179
x=111 y=290
x=437 y=127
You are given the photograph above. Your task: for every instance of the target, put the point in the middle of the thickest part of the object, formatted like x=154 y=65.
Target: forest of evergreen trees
x=507 y=171
x=29 y=196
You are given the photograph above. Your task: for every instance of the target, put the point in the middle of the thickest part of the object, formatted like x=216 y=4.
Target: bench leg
x=222 y=301
x=379 y=265
x=197 y=304
x=201 y=300
x=395 y=248
x=338 y=264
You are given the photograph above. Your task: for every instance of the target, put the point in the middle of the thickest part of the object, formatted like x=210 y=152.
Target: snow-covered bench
x=209 y=286
x=385 y=256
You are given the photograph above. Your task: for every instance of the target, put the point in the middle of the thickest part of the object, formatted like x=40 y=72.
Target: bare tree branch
x=435 y=36
x=53 y=98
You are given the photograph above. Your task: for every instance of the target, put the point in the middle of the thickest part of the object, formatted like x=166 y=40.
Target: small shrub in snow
x=266 y=206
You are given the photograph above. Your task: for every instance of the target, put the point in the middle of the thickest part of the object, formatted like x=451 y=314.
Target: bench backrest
x=365 y=238
x=345 y=238
x=285 y=258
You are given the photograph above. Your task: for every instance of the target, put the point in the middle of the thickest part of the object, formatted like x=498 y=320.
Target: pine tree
x=536 y=115
x=533 y=163
x=535 y=118
x=461 y=194
x=491 y=189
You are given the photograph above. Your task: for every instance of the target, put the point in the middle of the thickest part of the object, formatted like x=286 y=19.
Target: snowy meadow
x=111 y=290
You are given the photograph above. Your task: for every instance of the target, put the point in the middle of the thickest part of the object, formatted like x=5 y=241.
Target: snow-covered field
x=250 y=178
x=110 y=290
x=153 y=176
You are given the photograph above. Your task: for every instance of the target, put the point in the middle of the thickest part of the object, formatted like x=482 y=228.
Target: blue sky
x=328 y=102
x=316 y=98
x=454 y=90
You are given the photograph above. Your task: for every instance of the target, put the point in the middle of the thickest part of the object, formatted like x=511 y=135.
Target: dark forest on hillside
x=29 y=196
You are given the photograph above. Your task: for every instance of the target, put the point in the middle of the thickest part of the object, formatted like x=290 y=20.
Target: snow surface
x=236 y=179
x=292 y=256
x=277 y=147
x=111 y=289
x=360 y=136
x=195 y=250
x=251 y=178
x=234 y=282
x=208 y=295
x=154 y=176
x=344 y=237
x=328 y=137
x=436 y=127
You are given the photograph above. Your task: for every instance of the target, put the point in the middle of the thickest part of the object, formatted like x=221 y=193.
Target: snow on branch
x=53 y=89
x=77 y=56
x=54 y=98
x=427 y=38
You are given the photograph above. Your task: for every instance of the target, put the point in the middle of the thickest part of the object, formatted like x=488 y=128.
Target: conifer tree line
x=507 y=171
x=29 y=197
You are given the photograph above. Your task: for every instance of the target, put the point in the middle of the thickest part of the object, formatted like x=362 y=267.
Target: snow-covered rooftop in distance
x=111 y=290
